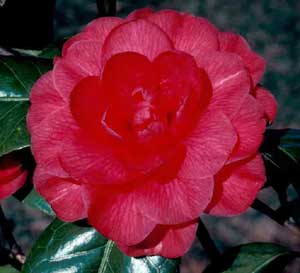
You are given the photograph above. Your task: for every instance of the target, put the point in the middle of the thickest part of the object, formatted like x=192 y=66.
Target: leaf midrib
x=14 y=73
x=105 y=259
x=261 y=265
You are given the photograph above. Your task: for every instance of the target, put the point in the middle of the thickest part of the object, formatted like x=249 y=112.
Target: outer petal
x=46 y=143
x=140 y=14
x=236 y=187
x=97 y=30
x=230 y=81
x=208 y=147
x=117 y=216
x=85 y=57
x=44 y=100
x=65 y=77
x=92 y=162
x=170 y=21
x=230 y=42
x=267 y=101
x=180 y=200
x=63 y=193
x=9 y=188
x=194 y=35
x=82 y=55
x=167 y=241
x=250 y=125
x=145 y=38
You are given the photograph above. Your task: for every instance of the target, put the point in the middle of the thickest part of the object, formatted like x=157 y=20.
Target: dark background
x=272 y=27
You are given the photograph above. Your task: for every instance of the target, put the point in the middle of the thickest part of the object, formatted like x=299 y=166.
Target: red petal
x=139 y=14
x=101 y=27
x=86 y=100
x=82 y=36
x=145 y=38
x=97 y=30
x=44 y=100
x=250 y=125
x=230 y=42
x=267 y=101
x=51 y=137
x=196 y=36
x=63 y=193
x=208 y=147
x=117 y=216
x=12 y=186
x=170 y=21
x=127 y=73
x=85 y=57
x=230 y=81
x=237 y=185
x=10 y=168
x=66 y=77
x=166 y=241
x=193 y=35
x=90 y=161
x=82 y=55
x=176 y=201
x=182 y=99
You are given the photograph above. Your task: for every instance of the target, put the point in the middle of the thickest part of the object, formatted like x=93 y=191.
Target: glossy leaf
x=253 y=258
x=8 y=269
x=281 y=153
x=149 y=264
x=286 y=140
x=75 y=248
x=34 y=200
x=17 y=75
x=49 y=52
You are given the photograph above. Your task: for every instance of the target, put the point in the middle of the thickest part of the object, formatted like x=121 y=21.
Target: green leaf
x=34 y=200
x=66 y=247
x=8 y=269
x=281 y=153
x=285 y=140
x=49 y=52
x=151 y=264
x=17 y=75
x=253 y=258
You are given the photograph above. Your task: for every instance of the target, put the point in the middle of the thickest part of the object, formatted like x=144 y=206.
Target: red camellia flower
x=145 y=123
x=12 y=174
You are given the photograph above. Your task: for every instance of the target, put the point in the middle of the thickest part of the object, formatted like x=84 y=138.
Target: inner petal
x=184 y=91
x=146 y=106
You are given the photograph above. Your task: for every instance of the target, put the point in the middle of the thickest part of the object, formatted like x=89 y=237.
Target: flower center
x=141 y=103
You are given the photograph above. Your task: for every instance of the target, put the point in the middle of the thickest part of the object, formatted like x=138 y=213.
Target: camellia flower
x=12 y=174
x=145 y=123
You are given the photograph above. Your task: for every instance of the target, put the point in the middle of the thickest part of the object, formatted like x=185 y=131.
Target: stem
x=266 y=210
x=106 y=7
x=207 y=242
x=15 y=251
